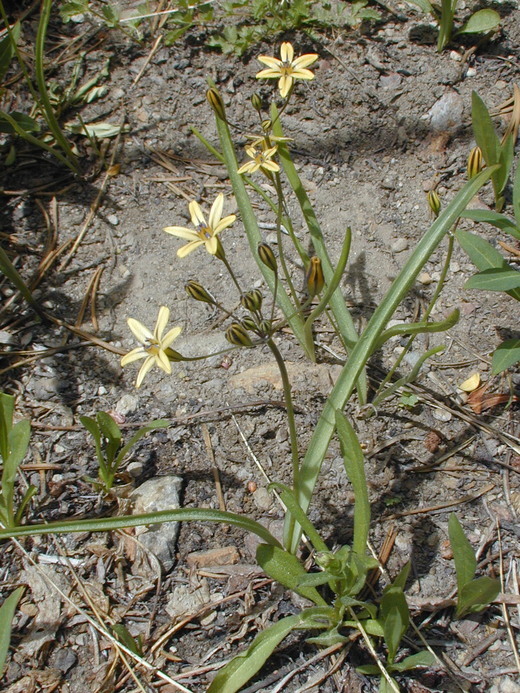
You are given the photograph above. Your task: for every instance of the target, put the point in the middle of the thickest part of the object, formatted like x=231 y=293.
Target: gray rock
x=446 y=113
x=160 y=493
x=127 y=404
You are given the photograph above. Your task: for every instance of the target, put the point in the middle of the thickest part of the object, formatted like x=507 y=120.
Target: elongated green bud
x=174 y=355
x=266 y=255
x=220 y=254
x=214 y=99
x=198 y=292
x=266 y=327
x=267 y=125
x=256 y=100
x=249 y=324
x=315 y=278
x=236 y=334
x=474 y=162
x=252 y=300
x=434 y=202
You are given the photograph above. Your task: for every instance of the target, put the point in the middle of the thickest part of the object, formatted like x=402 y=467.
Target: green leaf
x=7 y=49
x=395 y=617
x=99 y=130
x=243 y=667
x=369 y=670
x=92 y=427
x=477 y=595
x=483 y=255
x=419 y=328
x=400 y=580
x=71 y=9
x=286 y=569
x=497 y=279
x=6 y=619
x=328 y=639
x=499 y=220
x=289 y=500
x=480 y=22
x=7 y=268
x=423 y=5
x=6 y=423
x=124 y=636
x=419 y=659
x=463 y=554
x=111 y=433
x=484 y=130
x=354 y=462
x=505 y=356
x=516 y=195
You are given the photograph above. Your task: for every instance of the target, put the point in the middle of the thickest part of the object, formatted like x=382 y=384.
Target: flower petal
x=248 y=167
x=212 y=245
x=145 y=368
x=162 y=321
x=304 y=60
x=189 y=248
x=303 y=74
x=270 y=166
x=170 y=337
x=224 y=223
x=274 y=63
x=287 y=52
x=163 y=362
x=197 y=217
x=285 y=84
x=268 y=73
x=141 y=333
x=181 y=232
x=216 y=211
x=134 y=355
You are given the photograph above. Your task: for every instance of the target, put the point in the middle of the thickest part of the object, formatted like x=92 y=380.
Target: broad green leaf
x=395 y=617
x=243 y=667
x=497 y=279
x=445 y=24
x=483 y=255
x=99 y=130
x=477 y=595
x=505 y=356
x=423 y=5
x=480 y=22
x=419 y=659
x=92 y=427
x=499 y=220
x=400 y=580
x=419 y=328
x=124 y=636
x=372 y=627
x=354 y=462
x=286 y=569
x=6 y=619
x=463 y=554
x=111 y=434
x=329 y=638
x=19 y=437
x=484 y=130
x=72 y=8
x=369 y=670
x=7 y=49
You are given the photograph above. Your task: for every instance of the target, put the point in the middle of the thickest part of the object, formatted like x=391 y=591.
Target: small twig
x=155 y=47
x=214 y=468
x=505 y=612
x=443 y=506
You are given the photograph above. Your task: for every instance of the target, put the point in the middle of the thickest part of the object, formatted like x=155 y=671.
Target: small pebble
x=424 y=278
x=399 y=245
x=113 y=219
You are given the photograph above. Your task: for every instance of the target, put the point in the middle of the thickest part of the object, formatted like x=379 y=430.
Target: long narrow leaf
x=354 y=462
x=505 y=356
x=286 y=569
x=124 y=521
x=463 y=554
x=346 y=382
x=6 y=618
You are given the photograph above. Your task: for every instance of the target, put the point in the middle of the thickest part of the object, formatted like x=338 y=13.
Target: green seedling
x=7 y=611
x=495 y=273
x=481 y=22
x=473 y=594
x=110 y=450
x=393 y=620
x=14 y=441
x=495 y=152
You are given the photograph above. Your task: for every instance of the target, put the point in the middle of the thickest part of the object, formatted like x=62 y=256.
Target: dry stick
x=38 y=355
x=97 y=626
x=443 y=506
x=310 y=662
x=214 y=468
x=96 y=204
x=507 y=621
x=90 y=295
x=155 y=47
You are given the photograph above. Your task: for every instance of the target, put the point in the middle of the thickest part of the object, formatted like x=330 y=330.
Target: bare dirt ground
x=385 y=120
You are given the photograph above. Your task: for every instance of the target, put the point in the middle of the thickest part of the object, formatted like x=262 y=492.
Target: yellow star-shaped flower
x=259 y=159
x=205 y=231
x=288 y=68
x=154 y=345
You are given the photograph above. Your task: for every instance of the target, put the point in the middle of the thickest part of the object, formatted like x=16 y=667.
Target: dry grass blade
x=505 y=612
x=442 y=507
x=511 y=106
x=90 y=295
x=214 y=468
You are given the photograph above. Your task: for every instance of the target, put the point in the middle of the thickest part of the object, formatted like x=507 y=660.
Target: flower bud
x=267 y=125
x=474 y=162
x=315 y=278
x=236 y=334
x=266 y=255
x=249 y=324
x=220 y=254
x=198 y=292
x=252 y=300
x=266 y=327
x=174 y=355
x=214 y=99
x=434 y=202
x=256 y=100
